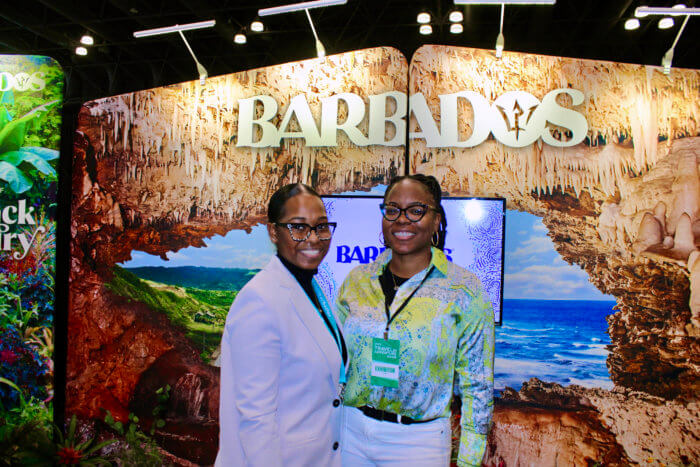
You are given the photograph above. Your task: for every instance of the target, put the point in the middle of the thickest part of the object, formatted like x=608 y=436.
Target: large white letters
x=429 y=131
x=246 y=120
x=329 y=119
x=558 y=115
x=449 y=119
x=378 y=118
x=516 y=119
x=299 y=107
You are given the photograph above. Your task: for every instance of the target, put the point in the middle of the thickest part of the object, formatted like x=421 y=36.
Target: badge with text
x=385 y=363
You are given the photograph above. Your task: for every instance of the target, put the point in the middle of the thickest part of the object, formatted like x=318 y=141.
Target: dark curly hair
x=434 y=189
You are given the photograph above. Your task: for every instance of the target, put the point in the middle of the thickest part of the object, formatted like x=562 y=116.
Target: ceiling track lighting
x=87 y=39
x=456 y=28
x=240 y=38
x=676 y=10
x=639 y=14
x=299 y=6
x=179 y=28
x=306 y=6
x=642 y=11
x=80 y=50
x=505 y=2
x=175 y=28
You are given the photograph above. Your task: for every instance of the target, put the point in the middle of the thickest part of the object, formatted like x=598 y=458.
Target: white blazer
x=279 y=378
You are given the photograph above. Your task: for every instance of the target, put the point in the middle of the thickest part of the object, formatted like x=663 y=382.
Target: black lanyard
x=389 y=316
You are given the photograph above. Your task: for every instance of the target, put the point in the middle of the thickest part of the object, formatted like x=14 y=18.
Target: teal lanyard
x=326 y=310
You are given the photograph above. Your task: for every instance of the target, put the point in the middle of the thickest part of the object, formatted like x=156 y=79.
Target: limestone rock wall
x=547 y=424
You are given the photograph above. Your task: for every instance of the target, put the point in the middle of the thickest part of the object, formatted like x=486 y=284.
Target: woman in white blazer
x=283 y=356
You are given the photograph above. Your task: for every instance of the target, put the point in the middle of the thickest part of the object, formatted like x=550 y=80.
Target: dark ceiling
x=119 y=63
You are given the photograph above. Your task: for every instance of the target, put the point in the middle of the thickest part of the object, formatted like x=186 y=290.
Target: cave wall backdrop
x=158 y=171
x=624 y=206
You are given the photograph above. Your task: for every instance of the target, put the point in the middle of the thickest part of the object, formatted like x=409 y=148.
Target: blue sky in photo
x=237 y=249
x=534 y=269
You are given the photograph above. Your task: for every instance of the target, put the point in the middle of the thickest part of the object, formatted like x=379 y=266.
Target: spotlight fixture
x=306 y=6
x=500 y=40
x=80 y=50
x=240 y=38
x=667 y=61
x=632 y=24
x=87 y=39
x=203 y=75
x=500 y=43
x=257 y=26
x=665 y=23
x=425 y=29
x=178 y=28
x=456 y=16
x=423 y=17
x=320 y=49
x=456 y=28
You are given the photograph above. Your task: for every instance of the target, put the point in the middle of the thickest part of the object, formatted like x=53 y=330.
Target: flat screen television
x=475 y=240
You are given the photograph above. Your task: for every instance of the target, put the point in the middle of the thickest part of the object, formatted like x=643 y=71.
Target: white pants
x=370 y=442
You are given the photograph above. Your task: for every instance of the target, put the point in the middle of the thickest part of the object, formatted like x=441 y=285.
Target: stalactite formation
x=624 y=205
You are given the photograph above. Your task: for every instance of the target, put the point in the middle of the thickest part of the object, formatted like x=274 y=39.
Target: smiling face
x=308 y=209
x=403 y=236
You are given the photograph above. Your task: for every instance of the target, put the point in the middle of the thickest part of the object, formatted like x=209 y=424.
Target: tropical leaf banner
x=31 y=94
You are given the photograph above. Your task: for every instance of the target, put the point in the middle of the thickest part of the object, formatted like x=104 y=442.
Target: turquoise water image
x=561 y=341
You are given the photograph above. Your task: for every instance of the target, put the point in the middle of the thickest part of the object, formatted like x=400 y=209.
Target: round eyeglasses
x=414 y=213
x=300 y=231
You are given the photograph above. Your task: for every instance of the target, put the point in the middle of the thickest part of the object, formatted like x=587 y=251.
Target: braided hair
x=433 y=187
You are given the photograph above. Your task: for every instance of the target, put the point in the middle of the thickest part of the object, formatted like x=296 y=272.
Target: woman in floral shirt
x=419 y=329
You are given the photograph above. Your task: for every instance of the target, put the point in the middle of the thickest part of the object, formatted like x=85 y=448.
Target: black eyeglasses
x=300 y=231
x=414 y=213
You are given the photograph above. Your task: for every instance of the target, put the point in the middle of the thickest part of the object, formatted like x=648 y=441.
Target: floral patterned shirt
x=446 y=335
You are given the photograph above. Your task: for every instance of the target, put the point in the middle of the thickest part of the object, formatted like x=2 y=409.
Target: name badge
x=385 y=363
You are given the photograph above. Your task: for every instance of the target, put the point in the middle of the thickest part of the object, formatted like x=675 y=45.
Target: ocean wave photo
x=561 y=341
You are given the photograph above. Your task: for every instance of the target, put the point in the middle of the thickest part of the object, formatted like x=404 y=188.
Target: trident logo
x=518 y=112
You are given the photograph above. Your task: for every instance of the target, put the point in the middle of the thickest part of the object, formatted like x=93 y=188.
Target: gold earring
x=435 y=239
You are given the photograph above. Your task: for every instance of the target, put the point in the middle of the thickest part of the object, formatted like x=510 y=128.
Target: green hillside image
x=195 y=299
x=197 y=276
